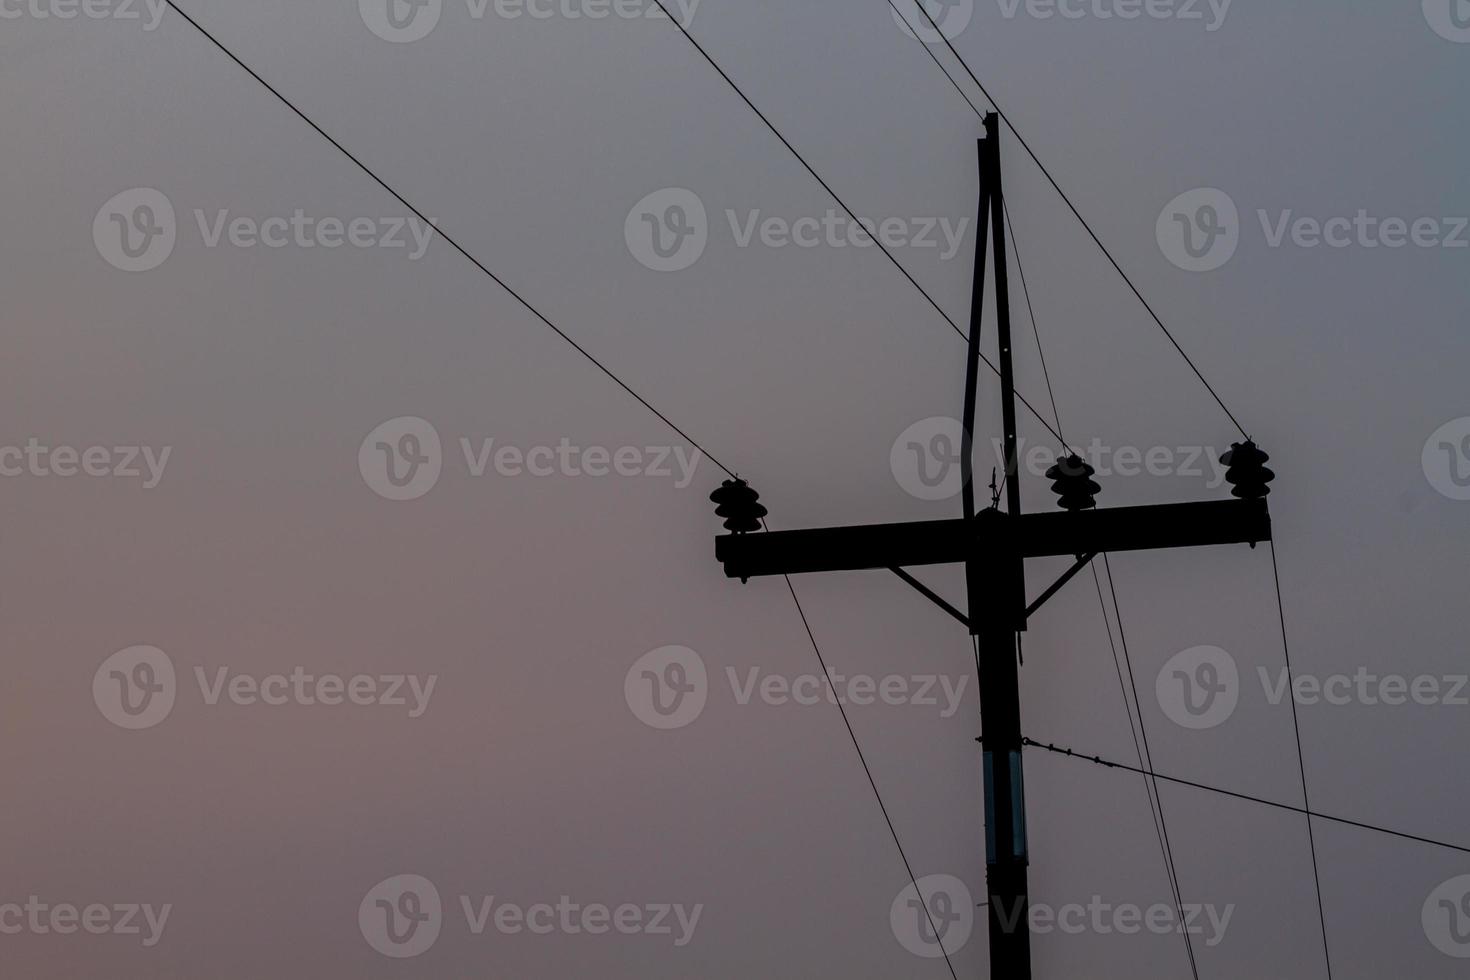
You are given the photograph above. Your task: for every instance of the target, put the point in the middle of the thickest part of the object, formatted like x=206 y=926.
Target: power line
x=1098 y=760
x=1155 y=802
x=1150 y=789
x=447 y=237
x=1035 y=330
x=872 y=782
x=842 y=204
x=1086 y=225
x=609 y=373
x=1301 y=763
x=1149 y=761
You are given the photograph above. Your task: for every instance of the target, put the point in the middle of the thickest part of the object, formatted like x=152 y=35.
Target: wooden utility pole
x=993 y=546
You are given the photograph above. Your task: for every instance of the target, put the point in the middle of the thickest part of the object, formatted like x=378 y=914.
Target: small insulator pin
x=1246 y=471
x=738 y=506
x=1072 y=482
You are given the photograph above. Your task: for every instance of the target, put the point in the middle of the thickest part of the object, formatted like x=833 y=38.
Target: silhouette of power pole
x=993 y=545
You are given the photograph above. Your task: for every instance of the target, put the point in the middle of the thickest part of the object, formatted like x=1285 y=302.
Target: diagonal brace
x=931 y=595
x=1082 y=562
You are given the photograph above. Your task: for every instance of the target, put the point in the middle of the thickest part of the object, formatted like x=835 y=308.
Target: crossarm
x=834 y=549
x=1147 y=528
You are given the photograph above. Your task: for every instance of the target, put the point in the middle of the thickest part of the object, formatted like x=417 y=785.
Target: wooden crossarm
x=1113 y=529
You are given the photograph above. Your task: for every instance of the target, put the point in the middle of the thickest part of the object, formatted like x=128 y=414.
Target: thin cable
x=1301 y=763
x=1149 y=760
x=447 y=237
x=1098 y=760
x=605 y=370
x=850 y=213
x=871 y=781
x=935 y=58
x=1155 y=802
x=1078 y=214
x=1035 y=330
x=1149 y=788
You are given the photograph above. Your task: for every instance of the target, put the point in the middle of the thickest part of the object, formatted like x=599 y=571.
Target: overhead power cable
x=1301 y=762
x=1067 y=200
x=842 y=204
x=448 y=238
x=1155 y=802
x=1150 y=788
x=1149 y=762
x=1274 y=804
x=519 y=298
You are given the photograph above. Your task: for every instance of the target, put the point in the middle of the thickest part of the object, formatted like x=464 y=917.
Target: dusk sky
x=338 y=587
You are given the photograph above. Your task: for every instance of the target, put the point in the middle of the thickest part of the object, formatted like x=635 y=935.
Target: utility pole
x=993 y=546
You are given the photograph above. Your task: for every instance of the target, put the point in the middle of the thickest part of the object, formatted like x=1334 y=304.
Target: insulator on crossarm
x=1246 y=471
x=1072 y=482
x=738 y=506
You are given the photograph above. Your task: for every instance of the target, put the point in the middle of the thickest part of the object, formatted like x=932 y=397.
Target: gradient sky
x=528 y=778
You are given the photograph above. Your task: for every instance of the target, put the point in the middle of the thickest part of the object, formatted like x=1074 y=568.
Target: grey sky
x=527 y=777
